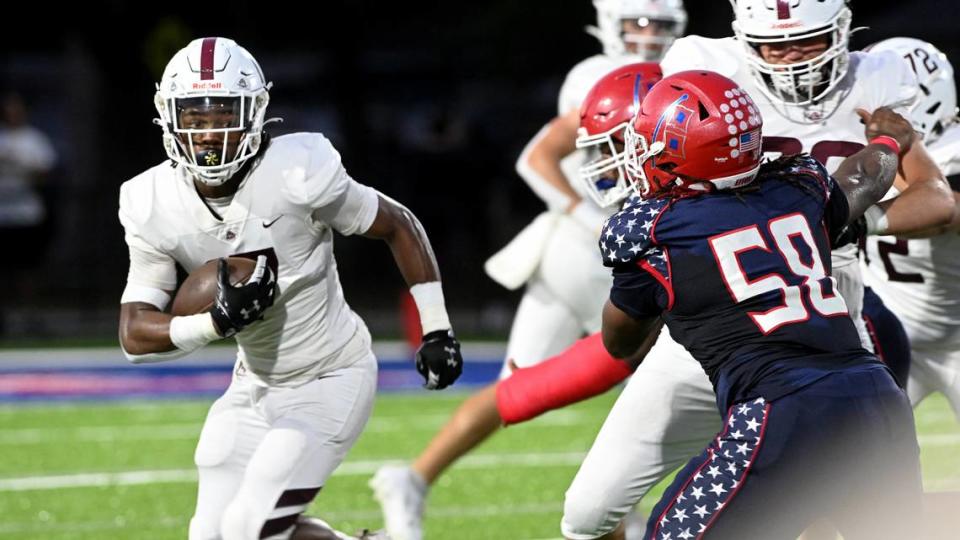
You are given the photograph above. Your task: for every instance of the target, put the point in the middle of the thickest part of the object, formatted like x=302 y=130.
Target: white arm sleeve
x=555 y=199
x=353 y=210
x=326 y=188
x=149 y=266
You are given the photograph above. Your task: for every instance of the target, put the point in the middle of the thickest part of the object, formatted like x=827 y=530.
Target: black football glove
x=853 y=233
x=239 y=306
x=439 y=360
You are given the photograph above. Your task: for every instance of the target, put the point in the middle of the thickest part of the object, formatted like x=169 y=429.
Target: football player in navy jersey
x=733 y=256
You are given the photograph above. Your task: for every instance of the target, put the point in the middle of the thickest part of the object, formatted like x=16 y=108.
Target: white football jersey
x=829 y=130
x=285 y=208
x=919 y=279
x=576 y=86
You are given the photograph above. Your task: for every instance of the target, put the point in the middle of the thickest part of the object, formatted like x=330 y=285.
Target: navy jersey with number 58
x=742 y=278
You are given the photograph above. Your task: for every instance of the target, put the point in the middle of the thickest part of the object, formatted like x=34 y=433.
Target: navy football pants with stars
x=844 y=448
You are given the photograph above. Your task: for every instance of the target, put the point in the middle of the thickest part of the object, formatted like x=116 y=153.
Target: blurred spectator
x=26 y=159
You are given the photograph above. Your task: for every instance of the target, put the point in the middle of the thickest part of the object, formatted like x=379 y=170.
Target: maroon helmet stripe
x=783 y=9
x=206 y=58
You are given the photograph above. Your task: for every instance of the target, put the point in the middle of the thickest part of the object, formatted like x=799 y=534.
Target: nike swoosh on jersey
x=268 y=224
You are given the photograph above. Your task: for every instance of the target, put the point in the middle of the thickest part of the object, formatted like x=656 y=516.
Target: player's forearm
x=951 y=226
x=924 y=207
x=627 y=338
x=413 y=255
x=539 y=166
x=401 y=230
x=866 y=176
x=144 y=329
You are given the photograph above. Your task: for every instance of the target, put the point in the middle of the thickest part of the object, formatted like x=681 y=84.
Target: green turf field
x=129 y=468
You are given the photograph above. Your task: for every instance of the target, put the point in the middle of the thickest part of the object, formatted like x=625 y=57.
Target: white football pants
x=564 y=298
x=665 y=415
x=261 y=442
x=935 y=370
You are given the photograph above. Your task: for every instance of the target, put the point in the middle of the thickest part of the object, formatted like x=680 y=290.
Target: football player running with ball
x=305 y=375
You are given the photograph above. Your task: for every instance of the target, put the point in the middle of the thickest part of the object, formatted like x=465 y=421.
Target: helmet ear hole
x=704 y=113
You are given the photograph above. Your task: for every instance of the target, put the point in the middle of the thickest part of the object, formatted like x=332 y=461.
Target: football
x=198 y=292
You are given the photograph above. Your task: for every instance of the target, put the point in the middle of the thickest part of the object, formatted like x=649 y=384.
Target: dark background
x=429 y=102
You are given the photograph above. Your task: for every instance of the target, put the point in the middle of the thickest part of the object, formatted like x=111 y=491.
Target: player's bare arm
x=926 y=202
x=438 y=359
x=927 y=206
x=401 y=230
x=867 y=175
x=627 y=338
x=539 y=163
x=144 y=329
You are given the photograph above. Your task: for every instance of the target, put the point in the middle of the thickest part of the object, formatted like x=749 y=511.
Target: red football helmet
x=696 y=131
x=606 y=112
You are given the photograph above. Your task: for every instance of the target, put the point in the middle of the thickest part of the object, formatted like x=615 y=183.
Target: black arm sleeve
x=637 y=293
x=835 y=217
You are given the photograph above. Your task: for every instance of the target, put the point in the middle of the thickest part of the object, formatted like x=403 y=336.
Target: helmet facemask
x=603 y=171
x=637 y=155
x=233 y=122
x=638 y=29
x=807 y=81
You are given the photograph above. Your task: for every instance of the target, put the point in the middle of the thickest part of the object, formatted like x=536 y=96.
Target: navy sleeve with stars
x=626 y=235
x=627 y=246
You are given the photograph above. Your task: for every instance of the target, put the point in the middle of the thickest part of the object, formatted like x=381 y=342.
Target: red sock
x=582 y=371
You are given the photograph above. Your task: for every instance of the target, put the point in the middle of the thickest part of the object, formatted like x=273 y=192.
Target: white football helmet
x=212 y=87
x=668 y=17
x=936 y=107
x=759 y=22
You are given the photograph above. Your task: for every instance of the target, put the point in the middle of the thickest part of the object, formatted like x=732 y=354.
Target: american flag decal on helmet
x=749 y=141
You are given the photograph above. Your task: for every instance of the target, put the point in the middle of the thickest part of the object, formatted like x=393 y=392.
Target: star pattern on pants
x=717 y=479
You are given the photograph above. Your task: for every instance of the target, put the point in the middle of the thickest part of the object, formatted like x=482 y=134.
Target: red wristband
x=887 y=141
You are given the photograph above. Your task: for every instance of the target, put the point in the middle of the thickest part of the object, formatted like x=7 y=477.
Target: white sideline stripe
x=351 y=468
x=388 y=351
x=191 y=430
x=436 y=512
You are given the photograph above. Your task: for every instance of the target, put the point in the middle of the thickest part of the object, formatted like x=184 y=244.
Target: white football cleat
x=401 y=494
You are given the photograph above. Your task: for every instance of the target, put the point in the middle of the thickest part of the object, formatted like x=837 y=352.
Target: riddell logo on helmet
x=207 y=86
x=781 y=25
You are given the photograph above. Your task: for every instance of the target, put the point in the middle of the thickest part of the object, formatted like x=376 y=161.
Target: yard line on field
x=939 y=439
x=119 y=523
x=349 y=468
x=186 y=430
x=436 y=512
x=191 y=430
x=443 y=512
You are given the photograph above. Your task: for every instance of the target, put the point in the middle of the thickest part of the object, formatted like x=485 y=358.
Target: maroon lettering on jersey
x=207 y=49
x=783 y=9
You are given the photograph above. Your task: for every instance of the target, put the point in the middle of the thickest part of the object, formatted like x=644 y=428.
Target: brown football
x=199 y=291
